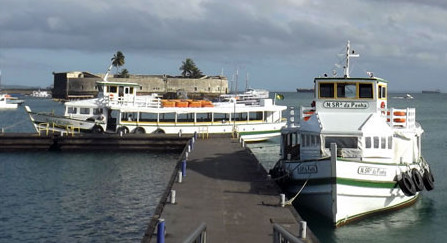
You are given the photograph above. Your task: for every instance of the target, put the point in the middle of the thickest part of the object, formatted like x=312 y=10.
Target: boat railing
x=306 y=112
x=199 y=235
x=139 y=101
x=401 y=118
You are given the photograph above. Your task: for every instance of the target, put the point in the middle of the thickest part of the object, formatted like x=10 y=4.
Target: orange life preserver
x=399 y=119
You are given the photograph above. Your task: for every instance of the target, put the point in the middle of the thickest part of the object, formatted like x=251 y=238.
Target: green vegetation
x=118 y=60
x=190 y=70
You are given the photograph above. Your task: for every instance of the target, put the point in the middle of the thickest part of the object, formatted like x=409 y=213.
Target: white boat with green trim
x=351 y=155
x=118 y=109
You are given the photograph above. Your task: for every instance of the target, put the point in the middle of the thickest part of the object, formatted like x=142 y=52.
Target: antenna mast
x=349 y=54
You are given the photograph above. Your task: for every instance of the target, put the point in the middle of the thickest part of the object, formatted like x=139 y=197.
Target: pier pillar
x=303 y=229
x=161 y=231
x=172 y=196
x=184 y=167
x=283 y=199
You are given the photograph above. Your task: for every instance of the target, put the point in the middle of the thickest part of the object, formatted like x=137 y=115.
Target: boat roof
x=344 y=79
x=109 y=83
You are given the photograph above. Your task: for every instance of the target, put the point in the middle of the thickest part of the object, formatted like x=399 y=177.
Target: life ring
x=406 y=185
x=417 y=179
x=400 y=113
x=428 y=180
x=399 y=120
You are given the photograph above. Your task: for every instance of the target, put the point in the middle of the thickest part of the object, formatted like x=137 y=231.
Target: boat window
x=382 y=92
x=383 y=142
x=327 y=90
x=221 y=117
x=148 y=117
x=342 y=142
x=97 y=111
x=203 y=117
x=376 y=142
x=346 y=90
x=390 y=142
x=112 y=89
x=167 y=117
x=84 y=111
x=255 y=115
x=365 y=90
x=72 y=110
x=367 y=142
x=241 y=116
x=185 y=117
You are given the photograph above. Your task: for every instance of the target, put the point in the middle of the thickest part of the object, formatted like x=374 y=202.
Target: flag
x=279 y=96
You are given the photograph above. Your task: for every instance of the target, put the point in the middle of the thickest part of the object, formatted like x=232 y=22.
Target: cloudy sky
x=280 y=44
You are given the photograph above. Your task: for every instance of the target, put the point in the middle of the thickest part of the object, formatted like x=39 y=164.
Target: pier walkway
x=226 y=188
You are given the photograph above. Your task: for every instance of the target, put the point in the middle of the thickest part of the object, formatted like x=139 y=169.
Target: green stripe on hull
x=349 y=182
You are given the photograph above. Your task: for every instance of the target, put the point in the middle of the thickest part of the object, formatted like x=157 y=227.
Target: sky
x=277 y=45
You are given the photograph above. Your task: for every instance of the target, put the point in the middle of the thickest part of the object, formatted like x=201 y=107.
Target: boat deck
x=226 y=188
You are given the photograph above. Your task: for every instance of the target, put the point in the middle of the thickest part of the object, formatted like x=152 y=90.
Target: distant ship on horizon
x=300 y=90
x=437 y=91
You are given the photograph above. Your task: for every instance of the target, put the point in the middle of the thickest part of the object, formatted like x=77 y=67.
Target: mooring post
x=161 y=231
x=283 y=199
x=180 y=133
x=303 y=228
x=184 y=167
x=172 y=196
x=189 y=148
x=179 y=176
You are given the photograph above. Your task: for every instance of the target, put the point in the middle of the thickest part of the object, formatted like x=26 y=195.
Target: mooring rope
x=290 y=201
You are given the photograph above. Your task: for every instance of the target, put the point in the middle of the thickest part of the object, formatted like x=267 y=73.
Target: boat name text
x=345 y=105
x=307 y=169
x=366 y=170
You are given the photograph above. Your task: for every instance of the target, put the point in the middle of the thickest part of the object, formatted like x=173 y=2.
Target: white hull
x=8 y=106
x=353 y=190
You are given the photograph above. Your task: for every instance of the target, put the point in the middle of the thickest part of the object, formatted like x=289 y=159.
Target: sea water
x=110 y=196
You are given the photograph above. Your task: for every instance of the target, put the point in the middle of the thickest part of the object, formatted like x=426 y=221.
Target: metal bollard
x=283 y=199
x=189 y=148
x=303 y=228
x=172 y=196
x=186 y=155
x=161 y=231
x=184 y=167
x=179 y=176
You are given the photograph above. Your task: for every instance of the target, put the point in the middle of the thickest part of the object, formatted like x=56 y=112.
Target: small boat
x=351 y=155
x=407 y=96
x=5 y=102
x=40 y=94
x=119 y=109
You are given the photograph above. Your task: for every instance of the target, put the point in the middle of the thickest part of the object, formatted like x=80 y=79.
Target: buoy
x=406 y=185
x=417 y=179
x=428 y=180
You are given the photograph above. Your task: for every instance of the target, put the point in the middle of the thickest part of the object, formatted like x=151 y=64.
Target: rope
x=290 y=201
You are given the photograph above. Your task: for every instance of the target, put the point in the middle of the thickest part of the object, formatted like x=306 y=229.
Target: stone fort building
x=78 y=85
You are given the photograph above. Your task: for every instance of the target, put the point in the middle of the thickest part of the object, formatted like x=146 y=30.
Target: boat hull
x=59 y=123
x=344 y=191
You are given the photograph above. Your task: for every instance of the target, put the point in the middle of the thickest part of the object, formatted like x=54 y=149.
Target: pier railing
x=281 y=235
x=198 y=236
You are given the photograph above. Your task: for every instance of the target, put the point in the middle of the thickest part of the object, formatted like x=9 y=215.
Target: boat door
x=112 y=119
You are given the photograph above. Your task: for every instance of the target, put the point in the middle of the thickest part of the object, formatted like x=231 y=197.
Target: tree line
x=188 y=67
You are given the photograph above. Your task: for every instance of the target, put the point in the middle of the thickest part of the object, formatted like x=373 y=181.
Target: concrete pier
x=226 y=188
x=91 y=142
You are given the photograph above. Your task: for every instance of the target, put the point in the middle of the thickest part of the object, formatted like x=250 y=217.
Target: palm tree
x=189 y=69
x=124 y=73
x=118 y=60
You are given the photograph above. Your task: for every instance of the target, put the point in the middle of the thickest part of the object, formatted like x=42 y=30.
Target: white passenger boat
x=118 y=109
x=351 y=155
x=5 y=102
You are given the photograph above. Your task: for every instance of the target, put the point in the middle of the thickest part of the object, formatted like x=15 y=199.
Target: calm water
x=76 y=197
x=110 y=197
x=426 y=221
